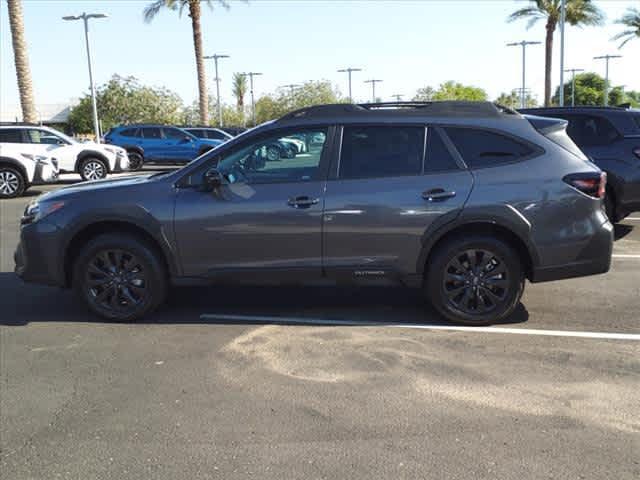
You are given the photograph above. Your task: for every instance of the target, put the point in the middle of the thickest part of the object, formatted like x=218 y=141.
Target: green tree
x=21 y=60
x=239 y=89
x=123 y=100
x=195 y=13
x=512 y=100
x=590 y=91
x=450 y=91
x=282 y=101
x=424 y=94
x=631 y=20
x=579 y=13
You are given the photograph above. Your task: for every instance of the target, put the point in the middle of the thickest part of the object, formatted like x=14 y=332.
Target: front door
x=386 y=194
x=266 y=218
x=177 y=145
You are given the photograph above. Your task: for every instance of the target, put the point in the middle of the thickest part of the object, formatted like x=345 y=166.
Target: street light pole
x=373 y=82
x=563 y=16
x=523 y=44
x=573 y=83
x=397 y=96
x=291 y=87
x=215 y=57
x=85 y=18
x=349 y=70
x=253 y=101
x=606 y=58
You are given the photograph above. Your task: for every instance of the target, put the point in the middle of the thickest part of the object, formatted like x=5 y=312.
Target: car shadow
x=621 y=230
x=349 y=306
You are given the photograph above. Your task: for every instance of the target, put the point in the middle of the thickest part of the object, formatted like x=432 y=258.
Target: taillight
x=593 y=184
x=636 y=152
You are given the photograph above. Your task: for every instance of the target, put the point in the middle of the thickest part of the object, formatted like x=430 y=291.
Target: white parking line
x=633 y=219
x=622 y=255
x=504 y=330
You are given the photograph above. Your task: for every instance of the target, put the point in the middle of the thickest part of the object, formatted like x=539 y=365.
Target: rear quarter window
x=482 y=148
x=10 y=135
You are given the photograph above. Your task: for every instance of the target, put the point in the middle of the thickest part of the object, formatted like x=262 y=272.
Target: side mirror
x=213 y=179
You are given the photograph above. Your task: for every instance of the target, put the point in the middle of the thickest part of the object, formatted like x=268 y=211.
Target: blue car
x=158 y=144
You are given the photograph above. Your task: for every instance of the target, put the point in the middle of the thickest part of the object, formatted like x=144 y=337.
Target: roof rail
x=442 y=108
x=20 y=124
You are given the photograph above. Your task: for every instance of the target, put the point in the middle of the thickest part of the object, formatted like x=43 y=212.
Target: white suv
x=20 y=170
x=92 y=161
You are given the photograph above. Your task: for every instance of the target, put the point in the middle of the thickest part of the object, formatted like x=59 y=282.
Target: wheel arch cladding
x=10 y=162
x=479 y=227
x=85 y=154
x=90 y=231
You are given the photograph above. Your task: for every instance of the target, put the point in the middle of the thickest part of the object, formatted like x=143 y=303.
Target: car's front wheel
x=93 y=169
x=12 y=183
x=475 y=280
x=120 y=277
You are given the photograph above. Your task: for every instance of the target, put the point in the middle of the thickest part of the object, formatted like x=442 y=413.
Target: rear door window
x=10 y=135
x=482 y=148
x=381 y=151
x=151 y=133
x=591 y=130
x=439 y=158
x=129 y=132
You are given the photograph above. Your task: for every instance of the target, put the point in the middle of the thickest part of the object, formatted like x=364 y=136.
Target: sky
x=408 y=44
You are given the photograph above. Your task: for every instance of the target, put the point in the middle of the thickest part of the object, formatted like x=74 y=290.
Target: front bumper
x=121 y=163
x=36 y=256
x=45 y=173
x=594 y=258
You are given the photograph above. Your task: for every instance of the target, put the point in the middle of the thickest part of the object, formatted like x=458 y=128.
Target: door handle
x=302 y=202
x=437 y=195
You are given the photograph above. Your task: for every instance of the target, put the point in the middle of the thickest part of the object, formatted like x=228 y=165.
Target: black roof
x=431 y=109
x=20 y=124
x=571 y=109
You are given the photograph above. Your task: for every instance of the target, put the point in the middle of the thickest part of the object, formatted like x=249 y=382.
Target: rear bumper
x=593 y=259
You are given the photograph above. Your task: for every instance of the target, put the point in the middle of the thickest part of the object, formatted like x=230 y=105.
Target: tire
x=463 y=291
x=610 y=206
x=273 y=154
x=136 y=161
x=93 y=169
x=120 y=277
x=12 y=182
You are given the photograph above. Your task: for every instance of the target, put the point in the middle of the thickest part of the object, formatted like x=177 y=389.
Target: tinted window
x=480 y=148
x=591 y=131
x=213 y=134
x=273 y=160
x=197 y=132
x=381 y=151
x=150 y=132
x=637 y=119
x=43 y=137
x=173 y=134
x=10 y=135
x=129 y=132
x=439 y=158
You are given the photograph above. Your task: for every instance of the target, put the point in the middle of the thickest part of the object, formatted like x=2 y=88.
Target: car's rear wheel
x=135 y=161
x=120 y=277
x=12 y=183
x=93 y=169
x=475 y=280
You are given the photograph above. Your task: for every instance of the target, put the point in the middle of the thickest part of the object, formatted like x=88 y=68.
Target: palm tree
x=195 y=13
x=21 y=59
x=239 y=89
x=579 y=13
x=630 y=19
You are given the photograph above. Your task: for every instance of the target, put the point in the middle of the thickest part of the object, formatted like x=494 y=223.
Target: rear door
x=389 y=185
x=151 y=142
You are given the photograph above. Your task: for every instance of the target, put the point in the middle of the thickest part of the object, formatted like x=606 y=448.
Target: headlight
x=35 y=158
x=38 y=210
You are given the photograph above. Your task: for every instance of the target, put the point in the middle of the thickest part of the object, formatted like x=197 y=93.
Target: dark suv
x=611 y=138
x=464 y=200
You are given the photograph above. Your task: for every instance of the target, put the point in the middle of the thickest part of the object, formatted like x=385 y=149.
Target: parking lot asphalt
x=377 y=394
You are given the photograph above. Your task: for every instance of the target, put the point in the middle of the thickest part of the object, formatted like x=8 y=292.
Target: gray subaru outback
x=462 y=200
